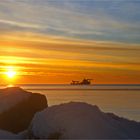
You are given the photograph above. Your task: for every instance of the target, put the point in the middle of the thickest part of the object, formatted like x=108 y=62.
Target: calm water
x=123 y=100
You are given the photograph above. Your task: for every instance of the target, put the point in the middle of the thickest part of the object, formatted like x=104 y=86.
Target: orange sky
x=46 y=41
x=46 y=59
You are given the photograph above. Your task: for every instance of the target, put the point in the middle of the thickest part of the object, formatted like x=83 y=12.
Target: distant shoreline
x=72 y=85
x=97 y=87
x=81 y=89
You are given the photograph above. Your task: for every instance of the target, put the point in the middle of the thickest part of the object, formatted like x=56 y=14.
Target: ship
x=83 y=82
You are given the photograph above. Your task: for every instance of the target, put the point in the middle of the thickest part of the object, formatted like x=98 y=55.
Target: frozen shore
x=73 y=120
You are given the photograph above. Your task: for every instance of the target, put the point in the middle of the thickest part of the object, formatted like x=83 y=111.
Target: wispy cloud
x=77 y=19
x=19 y=24
x=63 y=53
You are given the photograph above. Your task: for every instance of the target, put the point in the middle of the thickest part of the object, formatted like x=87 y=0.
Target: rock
x=17 y=108
x=81 y=121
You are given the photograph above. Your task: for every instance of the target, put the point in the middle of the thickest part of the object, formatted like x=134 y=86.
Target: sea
x=123 y=100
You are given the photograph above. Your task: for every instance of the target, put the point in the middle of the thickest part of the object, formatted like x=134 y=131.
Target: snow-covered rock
x=17 y=108
x=80 y=120
x=7 y=135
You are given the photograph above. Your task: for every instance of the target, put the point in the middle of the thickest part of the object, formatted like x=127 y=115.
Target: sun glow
x=10 y=73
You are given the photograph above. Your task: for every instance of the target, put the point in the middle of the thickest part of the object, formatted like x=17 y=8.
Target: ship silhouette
x=83 y=82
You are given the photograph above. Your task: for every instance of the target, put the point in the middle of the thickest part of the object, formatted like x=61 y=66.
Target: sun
x=10 y=73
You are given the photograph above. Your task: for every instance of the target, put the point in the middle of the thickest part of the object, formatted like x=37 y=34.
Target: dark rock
x=18 y=117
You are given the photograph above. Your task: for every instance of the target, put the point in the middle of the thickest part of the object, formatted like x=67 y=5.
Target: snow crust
x=7 y=135
x=79 y=121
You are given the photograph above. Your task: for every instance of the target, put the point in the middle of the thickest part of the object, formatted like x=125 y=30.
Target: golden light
x=10 y=73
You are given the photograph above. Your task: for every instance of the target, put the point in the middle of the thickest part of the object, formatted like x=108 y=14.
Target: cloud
x=70 y=36
x=58 y=53
x=89 y=20
x=19 y=24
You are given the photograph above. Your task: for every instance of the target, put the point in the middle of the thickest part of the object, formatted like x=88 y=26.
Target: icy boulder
x=7 y=135
x=80 y=121
x=17 y=108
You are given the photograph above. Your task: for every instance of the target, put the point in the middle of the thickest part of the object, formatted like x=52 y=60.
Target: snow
x=7 y=135
x=74 y=120
x=11 y=96
x=78 y=121
x=23 y=135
